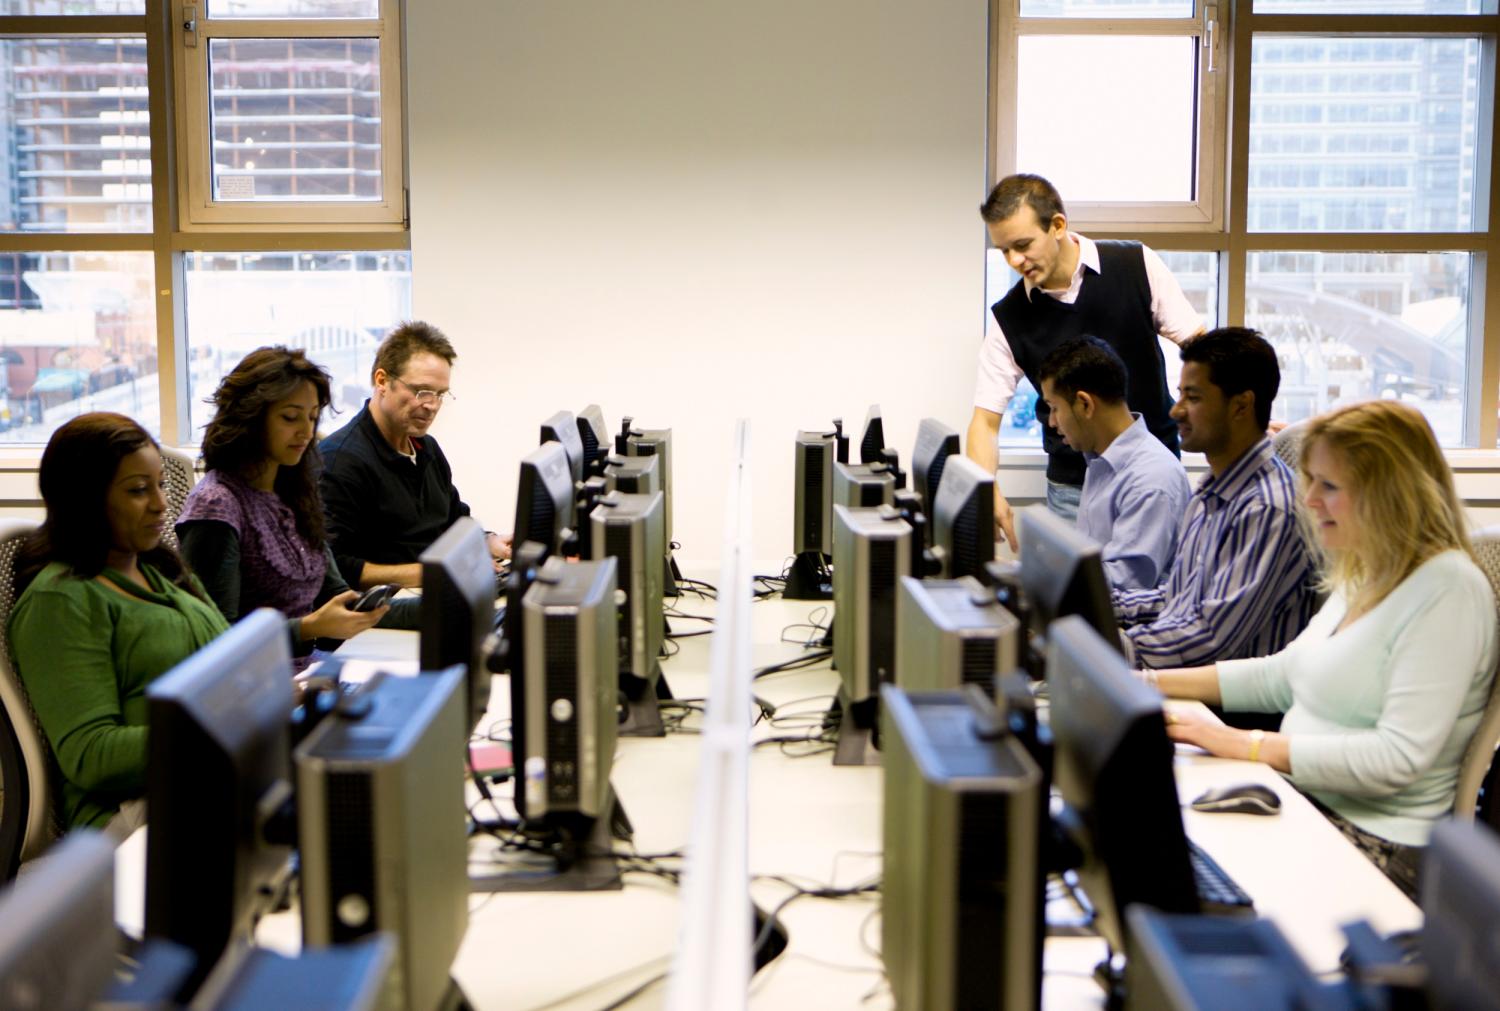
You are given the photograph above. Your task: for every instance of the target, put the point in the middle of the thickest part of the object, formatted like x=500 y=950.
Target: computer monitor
x=1460 y=890
x=936 y=442
x=563 y=428
x=544 y=498
x=963 y=519
x=57 y=926
x=219 y=788
x=383 y=827
x=458 y=610
x=1113 y=767
x=594 y=435
x=872 y=436
x=965 y=805
x=1062 y=573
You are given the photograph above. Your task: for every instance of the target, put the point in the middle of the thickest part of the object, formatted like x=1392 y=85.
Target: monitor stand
x=809 y=578
x=591 y=865
x=642 y=705
x=855 y=724
x=670 y=575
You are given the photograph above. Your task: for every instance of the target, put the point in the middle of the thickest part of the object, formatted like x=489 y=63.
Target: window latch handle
x=190 y=27
x=1210 y=34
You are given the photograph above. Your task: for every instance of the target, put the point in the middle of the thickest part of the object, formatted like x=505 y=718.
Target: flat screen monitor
x=872 y=436
x=594 y=435
x=1062 y=573
x=218 y=780
x=458 y=610
x=544 y=498
x=57 y=927
x=1113 y=767
x=562 y=428
x=936 y=442
x=963 y=518
x=1460 y=889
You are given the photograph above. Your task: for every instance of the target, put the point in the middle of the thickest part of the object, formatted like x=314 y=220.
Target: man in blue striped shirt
x=1242 y=582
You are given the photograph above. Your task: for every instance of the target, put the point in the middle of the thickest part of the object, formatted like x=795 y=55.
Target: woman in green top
x=104 y=609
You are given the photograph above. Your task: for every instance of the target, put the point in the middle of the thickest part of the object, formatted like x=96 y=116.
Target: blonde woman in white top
x=1384 y=688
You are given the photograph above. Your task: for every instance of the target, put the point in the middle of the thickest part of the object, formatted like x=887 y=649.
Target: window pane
x=1197 y=273
x=24 y=7
x=1109 y=118
x=1355 y=134
x=296 y=119
x=1352 y=326
x=1106 y=8
x=77 y=152
x=77 y=334
x=335 y=306
x=294 y=8
x=1369 y=6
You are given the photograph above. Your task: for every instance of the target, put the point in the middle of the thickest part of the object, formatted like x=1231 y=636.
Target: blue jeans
x=1062 y=499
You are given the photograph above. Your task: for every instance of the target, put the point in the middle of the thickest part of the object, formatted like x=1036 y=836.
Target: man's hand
x=1005 y=521
x=499 y=545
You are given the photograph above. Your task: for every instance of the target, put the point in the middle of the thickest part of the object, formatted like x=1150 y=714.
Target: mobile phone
x=374 y=597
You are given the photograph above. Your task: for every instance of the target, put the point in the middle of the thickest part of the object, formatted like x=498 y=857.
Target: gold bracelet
x=1256 y=736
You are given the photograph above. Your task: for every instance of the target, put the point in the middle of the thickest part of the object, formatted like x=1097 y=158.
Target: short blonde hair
x=1405 y=506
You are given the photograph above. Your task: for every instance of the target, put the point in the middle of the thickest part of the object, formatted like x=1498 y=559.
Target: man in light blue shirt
x=1134 y=488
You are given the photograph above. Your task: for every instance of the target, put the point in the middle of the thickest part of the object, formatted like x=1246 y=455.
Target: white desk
x=809 y=820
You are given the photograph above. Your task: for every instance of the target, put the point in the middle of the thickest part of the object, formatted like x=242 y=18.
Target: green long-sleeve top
x=86 y=650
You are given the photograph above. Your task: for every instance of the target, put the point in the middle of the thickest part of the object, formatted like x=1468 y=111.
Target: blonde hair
x=1405 y=506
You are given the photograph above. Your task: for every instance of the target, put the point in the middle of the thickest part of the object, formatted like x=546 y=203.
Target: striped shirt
x=1242 y=582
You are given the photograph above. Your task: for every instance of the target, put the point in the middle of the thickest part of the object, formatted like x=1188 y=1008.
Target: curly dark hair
x=235 y=440
x=78 y=466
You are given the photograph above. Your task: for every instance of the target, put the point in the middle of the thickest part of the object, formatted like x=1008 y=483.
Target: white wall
x=695 y=210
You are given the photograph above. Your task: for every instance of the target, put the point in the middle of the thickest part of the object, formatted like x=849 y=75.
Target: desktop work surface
x=813 y=825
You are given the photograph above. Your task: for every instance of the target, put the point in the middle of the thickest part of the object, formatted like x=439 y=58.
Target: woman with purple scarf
x=252 y=529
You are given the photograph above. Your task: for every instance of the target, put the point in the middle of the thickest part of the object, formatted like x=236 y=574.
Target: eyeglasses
x=427 y=398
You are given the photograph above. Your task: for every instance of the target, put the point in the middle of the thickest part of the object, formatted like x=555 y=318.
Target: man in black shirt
x=387 y=487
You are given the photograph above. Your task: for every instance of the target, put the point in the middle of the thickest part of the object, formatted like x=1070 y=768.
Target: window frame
x=1235 y=243
x=201 y=210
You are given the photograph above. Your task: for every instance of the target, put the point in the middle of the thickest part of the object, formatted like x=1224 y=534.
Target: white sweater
x=1379 y=715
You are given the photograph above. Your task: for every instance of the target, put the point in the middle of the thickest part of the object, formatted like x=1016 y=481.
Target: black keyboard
x=1217 y=891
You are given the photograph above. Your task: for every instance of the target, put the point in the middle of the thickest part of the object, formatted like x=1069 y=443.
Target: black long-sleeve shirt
x=381 y=507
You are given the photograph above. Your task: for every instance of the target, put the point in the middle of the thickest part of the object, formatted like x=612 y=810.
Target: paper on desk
x=360 y=671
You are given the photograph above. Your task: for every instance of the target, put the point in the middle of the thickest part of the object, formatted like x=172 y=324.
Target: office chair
x=180 y=474
x=1476 y=771
x=1288 y=444
x=28 y=816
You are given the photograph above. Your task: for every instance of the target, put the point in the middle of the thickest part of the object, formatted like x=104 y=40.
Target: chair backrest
x=1473 y=772
x=1288 y=444
x=41 y=826
x=180 y=474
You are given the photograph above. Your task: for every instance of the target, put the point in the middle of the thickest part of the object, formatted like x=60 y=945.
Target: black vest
x=1113 y=305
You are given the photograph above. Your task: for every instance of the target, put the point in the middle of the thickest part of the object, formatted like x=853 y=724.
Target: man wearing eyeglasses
x=387 y=487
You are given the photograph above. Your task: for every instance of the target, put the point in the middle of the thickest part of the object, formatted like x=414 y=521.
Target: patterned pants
x=1398 y=862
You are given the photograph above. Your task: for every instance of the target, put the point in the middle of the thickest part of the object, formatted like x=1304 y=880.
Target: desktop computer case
x=571 y=687
x=861 y=486
x=871 y=552
x=963 y=907
x=629 y=529
x=951 y=632
x=656 y=442
x=812 y=517
x=382 y=827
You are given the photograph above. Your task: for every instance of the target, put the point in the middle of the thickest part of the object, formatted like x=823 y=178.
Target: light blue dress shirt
x=1134 y=496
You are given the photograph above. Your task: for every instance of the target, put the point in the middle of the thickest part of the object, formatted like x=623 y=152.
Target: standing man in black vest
x=1120 y=292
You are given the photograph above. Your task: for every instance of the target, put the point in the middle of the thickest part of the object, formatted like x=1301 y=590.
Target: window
x=119 y=292
x=1353 y=228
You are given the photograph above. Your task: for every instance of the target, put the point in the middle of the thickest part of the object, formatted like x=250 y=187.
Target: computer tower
x=382 y=825
x=962 y=914
x=657 y=442
x=812 y=519
x=628 y=528
x=633 y=475
x=871 y=552
x=952 y=632
x=563 y=707
x=863 y=485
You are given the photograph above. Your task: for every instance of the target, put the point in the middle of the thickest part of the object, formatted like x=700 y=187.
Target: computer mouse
x=1239 y=798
